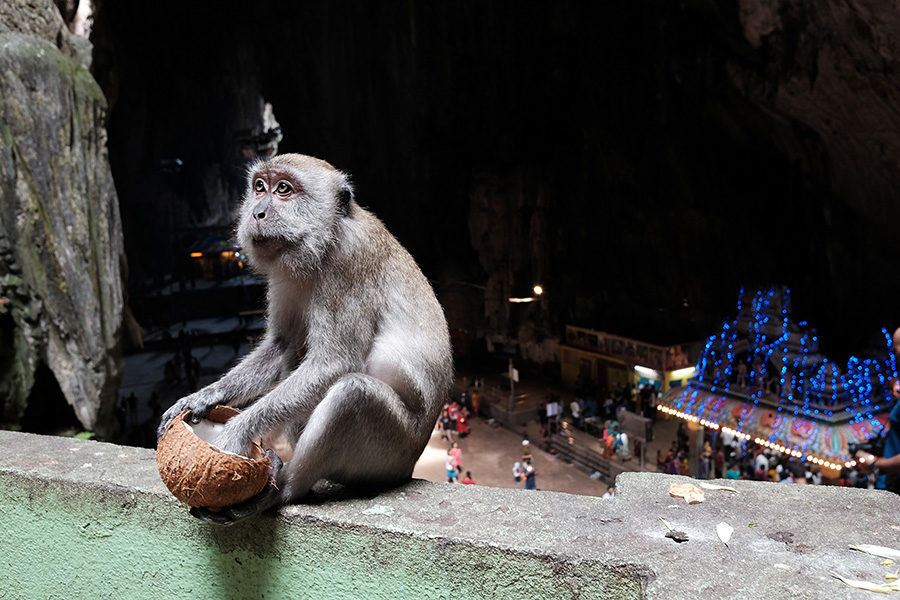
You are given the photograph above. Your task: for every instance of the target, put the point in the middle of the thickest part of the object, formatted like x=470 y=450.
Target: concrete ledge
x=83 y=519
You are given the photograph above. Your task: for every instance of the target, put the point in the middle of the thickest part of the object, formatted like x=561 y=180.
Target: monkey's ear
x=345 y=197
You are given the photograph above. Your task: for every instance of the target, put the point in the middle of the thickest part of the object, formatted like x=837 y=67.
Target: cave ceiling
x=643 y=160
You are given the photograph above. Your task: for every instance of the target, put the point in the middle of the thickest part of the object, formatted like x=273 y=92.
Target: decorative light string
x=808 y=383
x=792 y=452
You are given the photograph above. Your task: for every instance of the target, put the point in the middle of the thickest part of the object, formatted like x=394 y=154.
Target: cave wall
x=672 y=152
x=832 y=67
x=184 y=93
x=61 y=247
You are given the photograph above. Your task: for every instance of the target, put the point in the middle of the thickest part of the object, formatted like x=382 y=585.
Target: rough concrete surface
x=86 y=519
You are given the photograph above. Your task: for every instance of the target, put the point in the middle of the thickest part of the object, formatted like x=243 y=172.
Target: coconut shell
x=200 y=474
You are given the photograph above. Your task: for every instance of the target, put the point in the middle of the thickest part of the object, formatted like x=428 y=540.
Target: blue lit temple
x=763 y=377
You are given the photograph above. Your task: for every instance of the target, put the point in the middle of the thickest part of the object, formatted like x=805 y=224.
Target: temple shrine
x=763 y=378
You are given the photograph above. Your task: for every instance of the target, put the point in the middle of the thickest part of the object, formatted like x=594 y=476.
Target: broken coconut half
x=200 y=474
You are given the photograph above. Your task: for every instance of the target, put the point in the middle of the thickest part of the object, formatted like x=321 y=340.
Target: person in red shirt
x=462 y=424
x=468 y=478
x=453 y=409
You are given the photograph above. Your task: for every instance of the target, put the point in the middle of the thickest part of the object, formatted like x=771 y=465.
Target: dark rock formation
x=61 y=246
x=508 y=225
x=187 y=115
x=832 y=67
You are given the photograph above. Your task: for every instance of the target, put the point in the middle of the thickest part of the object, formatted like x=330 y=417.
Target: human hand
x=865 y=459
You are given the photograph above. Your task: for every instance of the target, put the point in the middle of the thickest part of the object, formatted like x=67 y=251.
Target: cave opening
x=47 y=410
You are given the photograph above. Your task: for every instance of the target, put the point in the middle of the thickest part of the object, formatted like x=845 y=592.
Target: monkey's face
x=290 y=213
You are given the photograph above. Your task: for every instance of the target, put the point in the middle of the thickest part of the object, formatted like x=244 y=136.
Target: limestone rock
x=40 y=19
x=60 y=232
x=832 y=68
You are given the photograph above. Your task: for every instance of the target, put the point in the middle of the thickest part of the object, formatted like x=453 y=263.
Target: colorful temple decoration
x=763 y=377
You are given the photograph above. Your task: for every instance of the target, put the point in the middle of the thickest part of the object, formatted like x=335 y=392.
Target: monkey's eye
x=259 y=186
x=283 y=187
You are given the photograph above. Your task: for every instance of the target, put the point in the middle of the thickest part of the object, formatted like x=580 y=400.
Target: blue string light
x=808 y=382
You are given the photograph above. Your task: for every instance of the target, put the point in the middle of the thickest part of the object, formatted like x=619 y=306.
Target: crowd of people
x=728 y=457
x=722 y=455
x=453 y=424
x=454 y=420
x=639 y=399
x=585 y=412
x=601 y=419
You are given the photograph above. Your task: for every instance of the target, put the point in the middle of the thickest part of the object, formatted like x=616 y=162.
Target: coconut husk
x=200 y=474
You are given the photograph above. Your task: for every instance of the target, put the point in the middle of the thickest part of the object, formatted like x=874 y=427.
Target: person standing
x=462 y=423
x=575 y=407
x=888 y=464
x=453 y=410
x=762 y=465
x=553 y=415
x=529 y=477
x=609 y=408
x=719 y=462
x=456 y=456
x=445 y=426
x=705 y=460
x=465 y=400
x=672 y=463
x=451 y=470
x=526 y=451
x=644 y=397
x=476 y=402
x=683 y=436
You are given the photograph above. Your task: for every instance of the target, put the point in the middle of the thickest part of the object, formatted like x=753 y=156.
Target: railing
x=591 y=460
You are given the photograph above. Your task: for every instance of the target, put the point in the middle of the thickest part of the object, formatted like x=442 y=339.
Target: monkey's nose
x=259 y=211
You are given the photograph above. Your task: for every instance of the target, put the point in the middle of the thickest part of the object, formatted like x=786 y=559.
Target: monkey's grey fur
x=355 y=362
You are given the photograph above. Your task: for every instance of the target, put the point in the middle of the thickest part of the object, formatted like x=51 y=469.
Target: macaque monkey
x=355 y=362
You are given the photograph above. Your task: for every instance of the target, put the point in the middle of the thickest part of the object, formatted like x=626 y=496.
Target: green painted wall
x=67 y=541
x=88 y=520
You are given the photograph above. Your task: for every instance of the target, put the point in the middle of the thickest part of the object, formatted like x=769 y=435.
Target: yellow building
x=609 y=360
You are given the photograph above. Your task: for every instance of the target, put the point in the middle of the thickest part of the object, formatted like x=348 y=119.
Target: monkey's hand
x=199 y=403
x=264 y=500
x=236 y=437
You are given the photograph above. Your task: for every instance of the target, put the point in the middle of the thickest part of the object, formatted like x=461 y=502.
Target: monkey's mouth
x=268 y=246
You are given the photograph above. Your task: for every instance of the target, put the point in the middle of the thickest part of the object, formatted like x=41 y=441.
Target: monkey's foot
x=238 y=512
x=264 y=500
